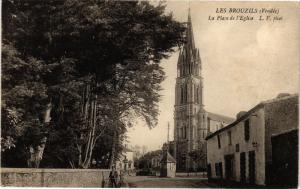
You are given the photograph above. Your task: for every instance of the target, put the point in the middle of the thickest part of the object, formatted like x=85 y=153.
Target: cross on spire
x=168 y=132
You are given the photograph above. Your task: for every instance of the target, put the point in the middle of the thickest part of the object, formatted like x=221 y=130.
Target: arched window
x=181 y=70
x=181 y=132
x=197 y=95
x=200 y=94
x=181 y=94
x=186 y=93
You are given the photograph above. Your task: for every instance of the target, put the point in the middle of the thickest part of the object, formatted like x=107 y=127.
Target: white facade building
x=242 y=151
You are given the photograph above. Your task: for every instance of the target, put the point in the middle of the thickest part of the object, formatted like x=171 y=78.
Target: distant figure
x=113 y=176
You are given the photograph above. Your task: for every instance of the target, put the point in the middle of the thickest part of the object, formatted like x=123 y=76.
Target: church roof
x=168 y=158
x=220 y=118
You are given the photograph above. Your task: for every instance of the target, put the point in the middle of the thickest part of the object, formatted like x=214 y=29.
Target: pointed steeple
x=189 y=33
x=189 y=57
x=189 y=50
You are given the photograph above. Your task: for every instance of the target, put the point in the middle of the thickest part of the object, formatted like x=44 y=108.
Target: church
x=192 y=122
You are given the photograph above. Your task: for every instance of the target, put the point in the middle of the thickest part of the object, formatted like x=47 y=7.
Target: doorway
x=229 y=167
x=242 y=167
x=252 y=167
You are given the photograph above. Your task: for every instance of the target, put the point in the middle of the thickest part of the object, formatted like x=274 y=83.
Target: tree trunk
x=113 y=150
x=36 y=152
x=90 y=116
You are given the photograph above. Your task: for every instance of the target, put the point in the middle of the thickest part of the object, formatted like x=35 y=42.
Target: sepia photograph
x=150 y=94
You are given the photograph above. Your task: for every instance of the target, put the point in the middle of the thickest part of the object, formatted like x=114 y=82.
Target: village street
x=180 y=181
x=158 y=182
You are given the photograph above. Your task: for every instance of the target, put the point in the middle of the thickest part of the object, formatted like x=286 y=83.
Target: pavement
x=159 y=182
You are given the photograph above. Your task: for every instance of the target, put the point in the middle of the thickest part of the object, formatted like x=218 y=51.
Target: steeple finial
x=189 y=13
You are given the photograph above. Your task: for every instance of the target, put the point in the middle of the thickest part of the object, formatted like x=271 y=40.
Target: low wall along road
x=23 y=177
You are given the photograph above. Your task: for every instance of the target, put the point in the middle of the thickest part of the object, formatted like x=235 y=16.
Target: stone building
x=126 y=161
x=191 y=121
x=243 y=151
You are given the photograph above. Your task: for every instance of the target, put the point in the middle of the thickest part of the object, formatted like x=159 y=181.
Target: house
x=167 y=164
x=125 y=162
x=243 y=151
x=216 y=121
x=155 y=162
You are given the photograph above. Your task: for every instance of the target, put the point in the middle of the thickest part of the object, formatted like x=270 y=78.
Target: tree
x=21 y=86
x=103 y=61
x=146 y=160
x=197 y=156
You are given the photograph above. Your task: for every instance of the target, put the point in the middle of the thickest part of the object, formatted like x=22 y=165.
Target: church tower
x=190 y=126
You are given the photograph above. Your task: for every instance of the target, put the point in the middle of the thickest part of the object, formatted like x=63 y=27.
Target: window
x=247 y=129
x=181 y=132
x=221 y=169
x=181 y=94
x=229 y=138
x=219 y=142
x=218 y=169
x=208 y=171
x=237 y=148
x=195 y=93
x=186 y=93
x=198 y=94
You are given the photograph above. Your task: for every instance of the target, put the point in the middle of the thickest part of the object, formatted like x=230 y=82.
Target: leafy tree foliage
x=97 y=64
x=144 y=162
x=22 y=85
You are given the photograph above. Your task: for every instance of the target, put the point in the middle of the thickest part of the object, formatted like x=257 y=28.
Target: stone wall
x=23 y=177
x=281 y=116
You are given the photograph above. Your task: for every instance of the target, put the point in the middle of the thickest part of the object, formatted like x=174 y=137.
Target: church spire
x=190 y=43
x=189 y=58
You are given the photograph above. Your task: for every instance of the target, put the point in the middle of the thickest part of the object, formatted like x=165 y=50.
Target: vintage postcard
x=150 y=94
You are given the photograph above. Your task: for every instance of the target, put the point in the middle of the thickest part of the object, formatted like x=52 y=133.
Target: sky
x=243 y=62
